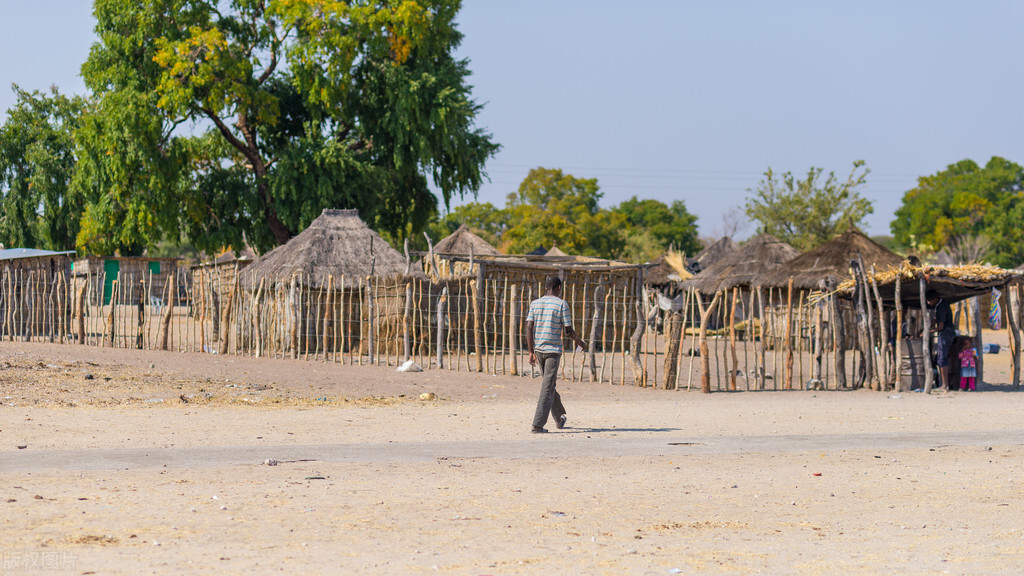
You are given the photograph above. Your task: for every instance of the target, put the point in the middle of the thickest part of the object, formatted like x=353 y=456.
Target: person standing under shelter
x=548 y=318
x=946 y=334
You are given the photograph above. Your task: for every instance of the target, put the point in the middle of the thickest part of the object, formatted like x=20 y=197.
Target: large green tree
x=965 y=203
x=809 y=212
x=667 y=225
x=37 y=161
x=264 y=112
x=555 y=208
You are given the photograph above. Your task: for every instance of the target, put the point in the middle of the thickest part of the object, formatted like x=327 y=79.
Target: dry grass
x=966 y=274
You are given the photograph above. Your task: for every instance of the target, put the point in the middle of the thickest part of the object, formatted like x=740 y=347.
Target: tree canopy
x=809 y=212
x=552 y=208
x=37 y=160
x=967 y=204
x=241 y=120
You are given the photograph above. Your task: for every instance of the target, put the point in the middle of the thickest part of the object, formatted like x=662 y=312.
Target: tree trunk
x=674 y=329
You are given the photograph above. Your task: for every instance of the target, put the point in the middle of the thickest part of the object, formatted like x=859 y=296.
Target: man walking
x=548 y=318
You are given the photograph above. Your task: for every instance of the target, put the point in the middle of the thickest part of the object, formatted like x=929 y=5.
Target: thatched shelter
x=744 y=267
x=338 y=243
x=711 y=254
x=831 y=260
x=464 y=242
x=951 y=283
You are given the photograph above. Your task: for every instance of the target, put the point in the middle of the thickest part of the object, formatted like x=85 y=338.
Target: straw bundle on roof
x=744 y=267
x=831 y=260
x=464 y=241
x=337 y=243
x=667 y=268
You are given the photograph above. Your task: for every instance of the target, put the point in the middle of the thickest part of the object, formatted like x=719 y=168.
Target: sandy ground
x=116 y=462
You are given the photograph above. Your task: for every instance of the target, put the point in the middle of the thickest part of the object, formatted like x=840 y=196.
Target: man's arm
x=572 y=335
x=529 y=341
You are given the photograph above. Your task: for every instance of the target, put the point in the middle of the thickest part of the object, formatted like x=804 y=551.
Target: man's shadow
x=581 y=429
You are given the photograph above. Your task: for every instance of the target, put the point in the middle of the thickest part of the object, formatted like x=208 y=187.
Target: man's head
x=932 y=298
x=553 y=285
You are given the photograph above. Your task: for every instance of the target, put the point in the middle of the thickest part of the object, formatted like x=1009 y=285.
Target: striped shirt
x=550 y=316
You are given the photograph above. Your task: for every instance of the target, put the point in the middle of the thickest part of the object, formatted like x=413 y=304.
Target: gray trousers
x=549 y=400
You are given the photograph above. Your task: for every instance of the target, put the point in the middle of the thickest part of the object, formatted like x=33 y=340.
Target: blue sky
x=694 y=100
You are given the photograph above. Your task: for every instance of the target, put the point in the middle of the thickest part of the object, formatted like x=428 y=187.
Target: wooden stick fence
x=760 y=339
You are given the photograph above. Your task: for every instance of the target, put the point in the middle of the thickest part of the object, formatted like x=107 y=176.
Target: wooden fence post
x=788 y=376
x=442 y=301
x=599 y=300
x=1013 y=325
x=477 y=335
x=513 y=328
x=406 y=334
x=165 y=322
x=705 y=363
x=732 y=339
x=674 y=329
x=898 y=356
x=926 y=329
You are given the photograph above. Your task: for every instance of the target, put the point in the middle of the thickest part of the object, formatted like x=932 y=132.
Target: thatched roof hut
x=951 y=283
x=338 y=243
x=464 y=241
x=555 y=251
x=711 y=254
x=831 y=260
x=744 y=267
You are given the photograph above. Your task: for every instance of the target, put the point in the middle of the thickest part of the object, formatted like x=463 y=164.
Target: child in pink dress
x=968 y=371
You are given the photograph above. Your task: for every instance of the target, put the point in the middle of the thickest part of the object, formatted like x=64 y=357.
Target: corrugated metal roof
x=18 y=253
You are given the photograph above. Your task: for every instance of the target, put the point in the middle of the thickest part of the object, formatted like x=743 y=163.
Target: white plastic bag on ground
x=410 y=366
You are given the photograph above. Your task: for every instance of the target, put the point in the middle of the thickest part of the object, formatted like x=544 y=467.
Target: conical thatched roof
x=831 y=259
x=336 y=243
x=711 y=254
x=745 y=266
x=463 y=242
x=555 y=251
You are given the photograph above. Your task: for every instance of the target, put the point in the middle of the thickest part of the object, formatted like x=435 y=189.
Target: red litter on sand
x=817 y=473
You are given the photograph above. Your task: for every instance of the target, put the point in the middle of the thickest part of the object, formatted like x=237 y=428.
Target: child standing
x=968 y=371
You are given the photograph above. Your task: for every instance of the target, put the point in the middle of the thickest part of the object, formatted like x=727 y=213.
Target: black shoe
x=560 y=423
x=537 y=430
